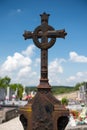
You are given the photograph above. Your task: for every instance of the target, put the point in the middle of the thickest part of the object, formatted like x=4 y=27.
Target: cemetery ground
x=78 y=112
x=78 y=115
x=77 y=109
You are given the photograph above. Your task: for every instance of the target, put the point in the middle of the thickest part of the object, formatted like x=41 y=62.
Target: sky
x=20 y=59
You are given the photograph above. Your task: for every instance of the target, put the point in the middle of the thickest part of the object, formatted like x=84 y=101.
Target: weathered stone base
x=44 y=112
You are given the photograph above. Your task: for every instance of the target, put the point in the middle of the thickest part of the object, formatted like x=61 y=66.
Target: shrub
x=64 y=101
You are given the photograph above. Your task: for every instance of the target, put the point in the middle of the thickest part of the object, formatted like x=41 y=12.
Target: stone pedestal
x=44 y=112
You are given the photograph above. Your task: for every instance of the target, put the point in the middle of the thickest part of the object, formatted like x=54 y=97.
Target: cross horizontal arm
x=28 y=35
x=57 y=34
x=49 y=34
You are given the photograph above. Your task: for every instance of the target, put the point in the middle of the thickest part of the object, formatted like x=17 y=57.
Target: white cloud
x=26 y=76
x=22 y=69
x=29 y=51
x=71 y=78
x=55 y=68
x=14 y=62
x=77 y=58
x=37 y=62
x=77 y=78
x=19 y=67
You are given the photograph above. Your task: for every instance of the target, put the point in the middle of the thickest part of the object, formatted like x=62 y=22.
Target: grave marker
x=44 y=111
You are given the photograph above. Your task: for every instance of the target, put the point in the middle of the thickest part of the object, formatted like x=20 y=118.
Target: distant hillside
x=55 y=89
x=62 y=89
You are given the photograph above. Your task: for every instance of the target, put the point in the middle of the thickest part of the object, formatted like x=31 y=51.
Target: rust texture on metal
x=44 y=111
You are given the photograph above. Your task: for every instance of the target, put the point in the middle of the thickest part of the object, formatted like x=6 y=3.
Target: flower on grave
x=75 y=113
x=83 y=114
x=82 y=119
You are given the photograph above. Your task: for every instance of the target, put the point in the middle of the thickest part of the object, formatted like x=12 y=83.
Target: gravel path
x=13 y=124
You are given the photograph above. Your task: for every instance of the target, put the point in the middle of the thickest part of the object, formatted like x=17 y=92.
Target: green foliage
x=13 y=86
x=4 y=82
x=64 y=101
x=78 y=85
x=55 y=89
x=19 y=88
x=61 y=89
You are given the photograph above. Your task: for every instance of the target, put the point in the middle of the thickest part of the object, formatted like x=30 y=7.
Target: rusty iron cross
x=44 y=37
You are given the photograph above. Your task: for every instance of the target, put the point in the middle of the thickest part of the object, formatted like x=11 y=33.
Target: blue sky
x=20 y=59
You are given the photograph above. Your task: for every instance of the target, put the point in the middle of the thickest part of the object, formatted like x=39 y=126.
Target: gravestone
x=5 y=93
x=2 y=93
x=83 y=93
x=44 y=111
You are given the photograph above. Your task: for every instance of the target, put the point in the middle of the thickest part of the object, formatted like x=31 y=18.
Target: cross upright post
x=44 y=37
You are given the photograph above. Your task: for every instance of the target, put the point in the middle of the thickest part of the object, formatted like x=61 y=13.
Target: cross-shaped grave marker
x=44 y=37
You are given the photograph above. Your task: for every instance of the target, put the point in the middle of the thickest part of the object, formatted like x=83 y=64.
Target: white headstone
x=8 y=93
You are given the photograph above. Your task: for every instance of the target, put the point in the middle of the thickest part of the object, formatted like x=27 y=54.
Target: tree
x=78 y=85
x=19 y=90
x=4 y=82
x=13 y=86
